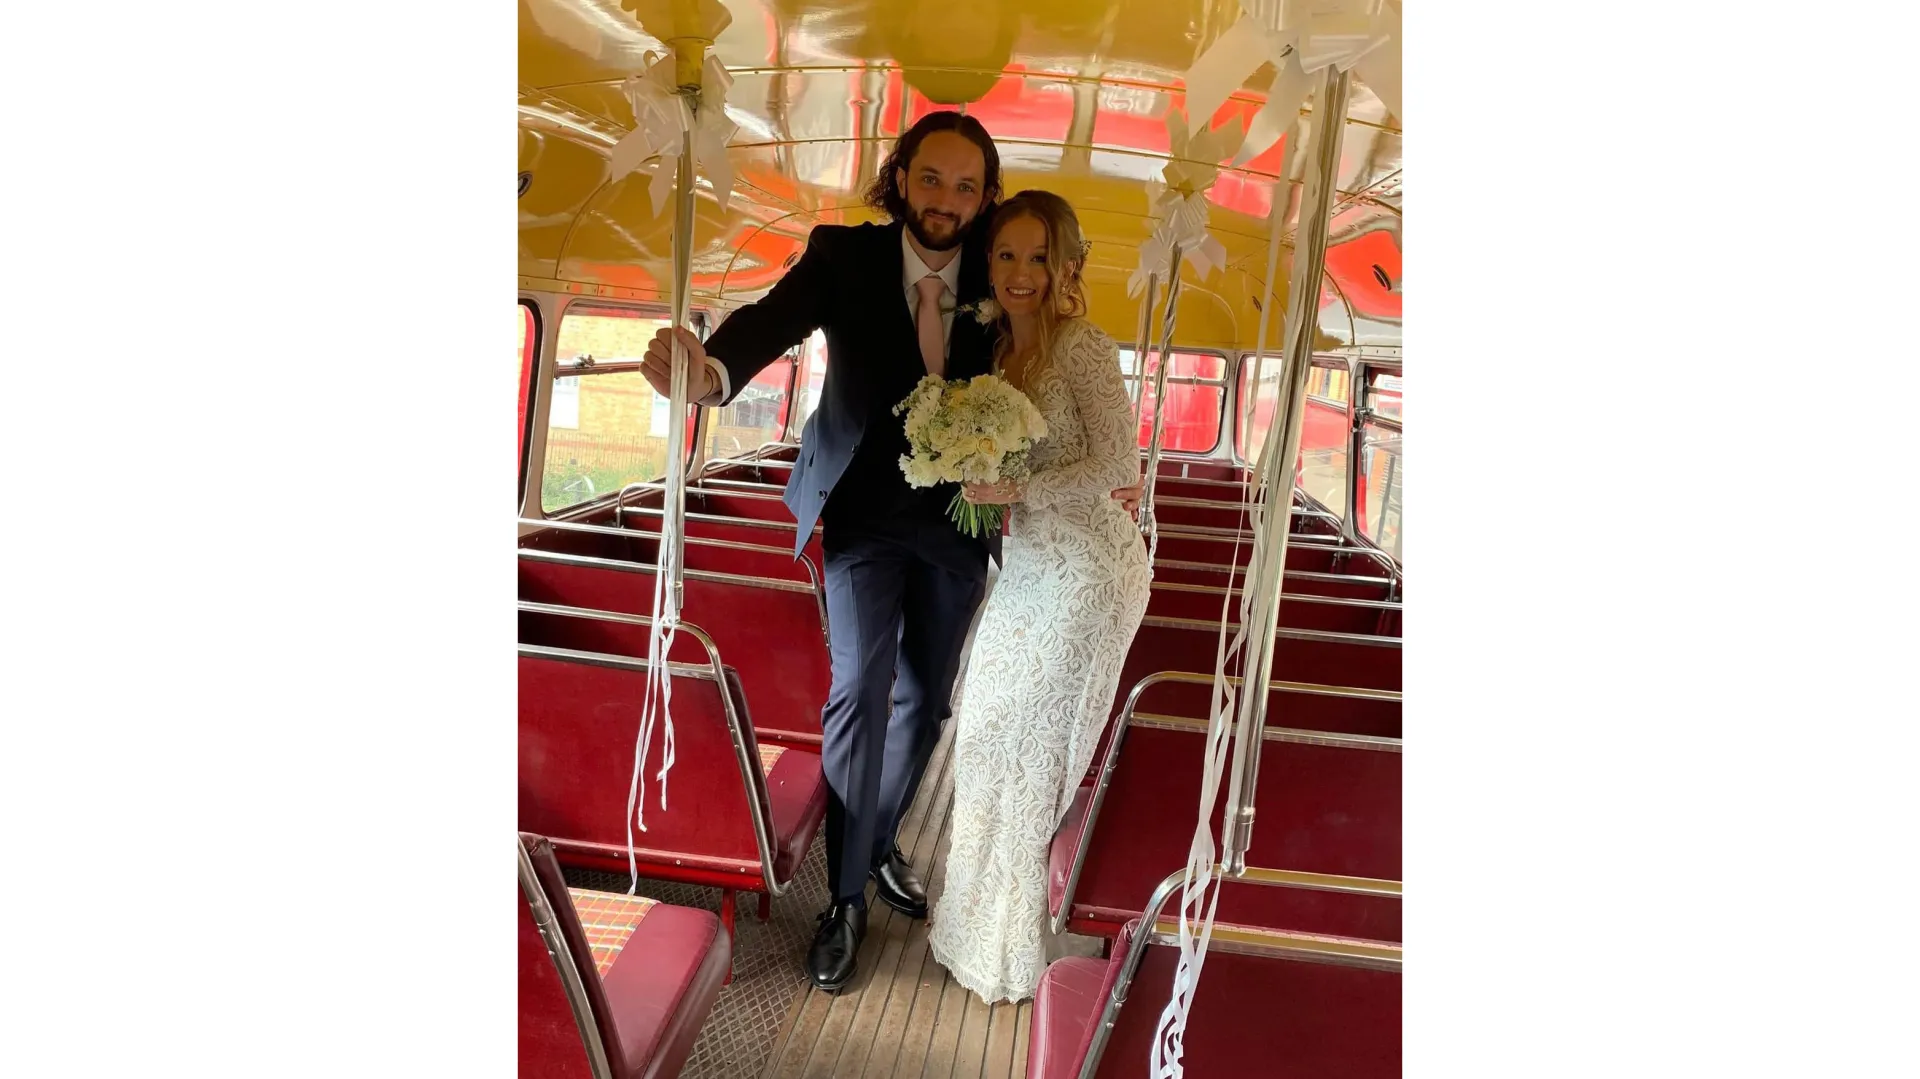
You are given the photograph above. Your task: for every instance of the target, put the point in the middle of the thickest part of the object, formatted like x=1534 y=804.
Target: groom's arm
x=761 y=332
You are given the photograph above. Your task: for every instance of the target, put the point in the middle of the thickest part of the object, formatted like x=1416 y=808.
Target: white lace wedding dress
x=1044 y=667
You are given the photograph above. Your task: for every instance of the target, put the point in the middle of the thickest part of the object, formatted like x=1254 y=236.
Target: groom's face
x=945 y=186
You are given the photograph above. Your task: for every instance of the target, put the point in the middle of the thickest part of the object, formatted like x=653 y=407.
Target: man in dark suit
x=902 y=581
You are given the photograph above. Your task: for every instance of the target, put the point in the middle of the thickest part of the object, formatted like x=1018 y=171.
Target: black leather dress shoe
x=836 y=946
x=897 y=887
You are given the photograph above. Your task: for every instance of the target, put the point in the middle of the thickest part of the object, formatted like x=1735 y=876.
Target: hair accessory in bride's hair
x=1085 y=246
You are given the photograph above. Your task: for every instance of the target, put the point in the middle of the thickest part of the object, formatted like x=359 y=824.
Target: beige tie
x=933 y=336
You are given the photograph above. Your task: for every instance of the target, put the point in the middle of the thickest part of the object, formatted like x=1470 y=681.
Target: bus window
x=756 y=415
x=1383 y=395
x=605 y=428
x=807 y=381
x=1380 y=497
x=1196 y=394
x=1323 y=434
x=529 y=352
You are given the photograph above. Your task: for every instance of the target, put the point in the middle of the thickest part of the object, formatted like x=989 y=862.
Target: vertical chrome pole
x=1303 y=294
x=1160 y=393
x=676 y=493
x=1278 y=211
x=1140 y=351
x=1357 y=414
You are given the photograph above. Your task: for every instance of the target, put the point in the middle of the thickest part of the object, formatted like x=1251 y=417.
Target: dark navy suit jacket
x=849 y=284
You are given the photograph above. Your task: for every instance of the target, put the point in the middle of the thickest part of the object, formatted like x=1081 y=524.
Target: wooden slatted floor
x=903 y=1016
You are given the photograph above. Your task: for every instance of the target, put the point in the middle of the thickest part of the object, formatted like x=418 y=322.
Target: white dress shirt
x=913 y=268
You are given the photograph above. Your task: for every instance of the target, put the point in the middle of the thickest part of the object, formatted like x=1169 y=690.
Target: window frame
x=530 y=363
x=1224 y=383
x=1243 y=386
x=559 y=369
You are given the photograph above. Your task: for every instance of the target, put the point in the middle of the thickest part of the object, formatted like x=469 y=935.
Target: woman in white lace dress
x=1046 y=656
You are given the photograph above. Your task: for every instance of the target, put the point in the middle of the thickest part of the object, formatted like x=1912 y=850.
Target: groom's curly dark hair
x=884 y=192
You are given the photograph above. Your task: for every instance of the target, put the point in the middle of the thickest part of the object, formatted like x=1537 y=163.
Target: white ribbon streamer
x=1180 y=202
x=669 y=125
x=661 y=119
x=1271 y=507
x=1300 y=38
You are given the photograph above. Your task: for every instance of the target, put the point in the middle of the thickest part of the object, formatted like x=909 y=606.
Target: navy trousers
x=899 y=602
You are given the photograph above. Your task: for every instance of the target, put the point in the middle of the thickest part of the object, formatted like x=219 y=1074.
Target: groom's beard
x=917 y=223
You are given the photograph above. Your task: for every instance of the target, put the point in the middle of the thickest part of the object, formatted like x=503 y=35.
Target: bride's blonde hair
x=1066 y=258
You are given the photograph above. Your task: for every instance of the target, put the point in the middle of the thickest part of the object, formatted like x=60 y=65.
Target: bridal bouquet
x=969 y=431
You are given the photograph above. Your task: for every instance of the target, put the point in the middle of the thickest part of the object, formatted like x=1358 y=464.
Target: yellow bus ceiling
x=1073 y=91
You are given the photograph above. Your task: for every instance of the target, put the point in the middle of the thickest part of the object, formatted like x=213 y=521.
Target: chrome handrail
x=1219 y=590
x=814 y=580
x=561 y=558
x=620 y=497
x=1128 y=712
x=1364 y=954
x=759 y=803
x=751 y=522
x=1292 y=574
x=1285 y=633
x=804 y=559
x=1299 y=736
x=572 y=983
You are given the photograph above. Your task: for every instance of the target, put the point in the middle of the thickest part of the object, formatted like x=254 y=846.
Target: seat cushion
x=1064 y=1008
x=660 y=985
x=797 y=792
x=1060 y=855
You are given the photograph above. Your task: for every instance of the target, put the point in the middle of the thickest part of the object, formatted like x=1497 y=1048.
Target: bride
x=1047 y=654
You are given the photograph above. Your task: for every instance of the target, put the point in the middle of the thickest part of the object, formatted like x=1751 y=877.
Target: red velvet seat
x=1253 y=1015
x=1360 y=660
x=1064 y=1009
x=797 y=791
x=1297 y=611
x=1321 y=809
x=1223 y=551
x=639 y=541
x=775 y=637
x=1330 y=585
x=579 y=715
x=650 y=973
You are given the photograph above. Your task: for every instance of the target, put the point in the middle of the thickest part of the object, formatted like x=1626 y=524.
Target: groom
x=902 y=582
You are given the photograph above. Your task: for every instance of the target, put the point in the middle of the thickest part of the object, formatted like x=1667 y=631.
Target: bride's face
x=1017 y=266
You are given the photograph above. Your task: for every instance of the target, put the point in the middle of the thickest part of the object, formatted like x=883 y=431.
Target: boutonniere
x=983 y=311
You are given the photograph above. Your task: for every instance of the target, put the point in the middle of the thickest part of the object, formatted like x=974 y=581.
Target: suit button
x=823 y=494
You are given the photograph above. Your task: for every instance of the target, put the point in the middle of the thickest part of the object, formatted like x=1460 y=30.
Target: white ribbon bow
x=1300 y=38
x=662 y=116
x=1181 y=202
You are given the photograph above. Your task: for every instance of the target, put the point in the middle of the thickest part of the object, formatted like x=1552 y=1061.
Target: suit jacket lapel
x=893 y=265
x=970 y=347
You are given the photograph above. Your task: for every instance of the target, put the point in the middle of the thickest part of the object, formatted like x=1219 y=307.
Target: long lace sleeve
x=1090 y=363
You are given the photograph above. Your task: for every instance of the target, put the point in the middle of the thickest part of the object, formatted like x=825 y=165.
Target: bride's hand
x=1003 y=493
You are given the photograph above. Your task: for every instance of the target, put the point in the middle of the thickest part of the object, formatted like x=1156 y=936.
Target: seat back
x=1267 y=1004
x=1204 y=601
x=1328 y=809
x=1365 y=661
x=579 y=719
x=553 y=1044
x=771 y=632
x=640 y=542
x=1304 y=706
x=1308 y=556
